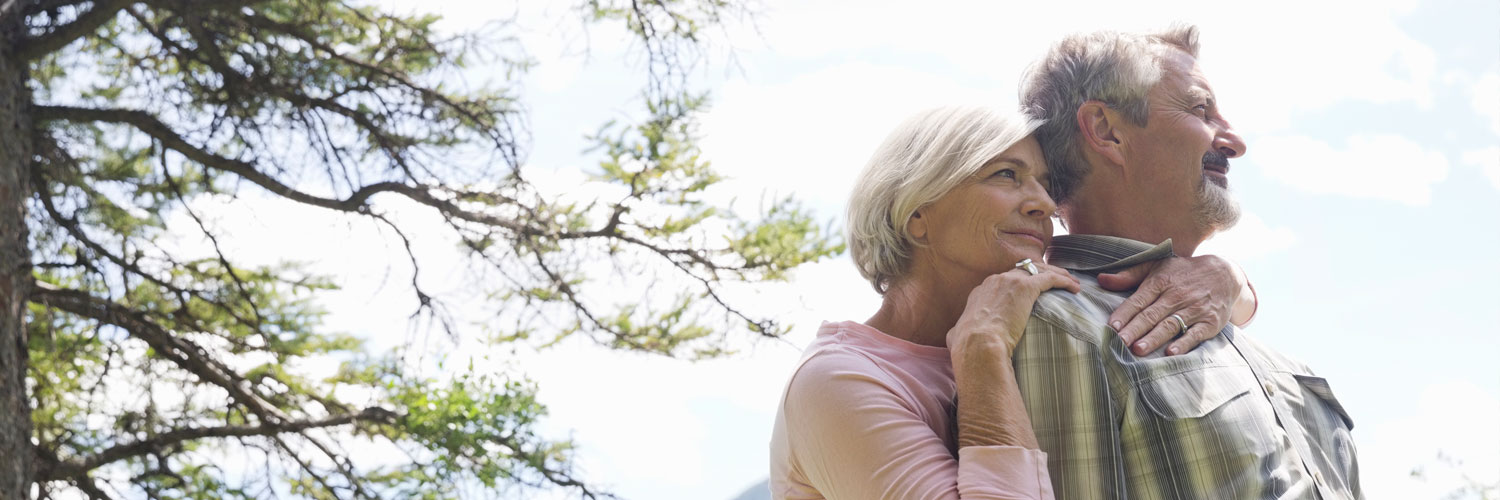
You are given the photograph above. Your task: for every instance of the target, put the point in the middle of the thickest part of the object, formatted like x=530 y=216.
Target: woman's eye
x=1005 y=173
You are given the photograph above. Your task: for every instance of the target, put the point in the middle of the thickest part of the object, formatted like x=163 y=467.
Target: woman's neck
x=921 y=310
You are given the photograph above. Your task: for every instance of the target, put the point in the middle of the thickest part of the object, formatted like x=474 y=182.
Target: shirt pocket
x=1196 y=393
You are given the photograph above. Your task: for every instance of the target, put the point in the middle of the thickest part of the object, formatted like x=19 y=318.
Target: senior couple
x=1005 y=363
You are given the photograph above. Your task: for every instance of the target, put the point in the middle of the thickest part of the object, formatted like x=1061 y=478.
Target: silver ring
x=1028 y=266
x=1182 y=324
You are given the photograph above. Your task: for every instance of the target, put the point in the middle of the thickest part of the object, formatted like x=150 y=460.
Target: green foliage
x=167 y=373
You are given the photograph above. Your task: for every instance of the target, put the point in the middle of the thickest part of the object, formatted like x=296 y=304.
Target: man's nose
x=1229 y=142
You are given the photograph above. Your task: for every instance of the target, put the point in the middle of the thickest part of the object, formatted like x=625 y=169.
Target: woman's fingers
x=1201 y=323
x=1059 y=278
x=1150 y=319
x=1146 y=295
x=1162 y=332
x=1195 y=335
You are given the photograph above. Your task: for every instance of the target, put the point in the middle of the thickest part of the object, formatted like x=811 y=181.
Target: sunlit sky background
x=1371 y=188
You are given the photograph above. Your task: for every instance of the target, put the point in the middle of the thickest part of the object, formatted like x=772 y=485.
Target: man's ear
x=1100 y=131
x=916 y=226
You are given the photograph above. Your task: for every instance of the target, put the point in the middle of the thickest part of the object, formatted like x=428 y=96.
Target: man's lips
x=1216 y=162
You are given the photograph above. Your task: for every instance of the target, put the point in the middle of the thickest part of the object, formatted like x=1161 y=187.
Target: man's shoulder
x=1083 y=315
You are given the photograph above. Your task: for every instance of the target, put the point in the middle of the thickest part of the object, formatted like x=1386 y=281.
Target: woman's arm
x=855 y=434
x=990 y=408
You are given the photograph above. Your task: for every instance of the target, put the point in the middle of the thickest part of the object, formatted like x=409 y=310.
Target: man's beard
x=1216 y=207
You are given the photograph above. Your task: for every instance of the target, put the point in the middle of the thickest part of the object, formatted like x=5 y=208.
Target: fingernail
x=1115 y=324
x=1140 y=346
x=1174 y=350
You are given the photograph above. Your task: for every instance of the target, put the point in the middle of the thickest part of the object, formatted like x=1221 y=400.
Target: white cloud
x=1267 y=79
x=1488 y=161
x=1487 y=99
x=656 y=427
x=1370 y=58
x=1251 y=239
x=1385 y=167
x=812 y=134
x=1456 y=419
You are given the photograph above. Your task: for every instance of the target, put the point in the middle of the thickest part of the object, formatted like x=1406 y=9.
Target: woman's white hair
x=925 y=157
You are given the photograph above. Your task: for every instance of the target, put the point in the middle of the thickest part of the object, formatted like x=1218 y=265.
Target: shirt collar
x=1095 y=253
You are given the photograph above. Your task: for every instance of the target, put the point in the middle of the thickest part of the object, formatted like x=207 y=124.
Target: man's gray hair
x=1118 y=69
x=926 y=156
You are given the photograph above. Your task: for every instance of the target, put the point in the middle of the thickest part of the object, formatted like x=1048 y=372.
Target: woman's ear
x=1099 y=129
x=916 y=226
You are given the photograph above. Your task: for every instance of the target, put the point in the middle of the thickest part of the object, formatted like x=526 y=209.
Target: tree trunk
x=15 y=257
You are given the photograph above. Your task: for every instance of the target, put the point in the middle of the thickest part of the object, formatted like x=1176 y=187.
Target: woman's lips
x=1029 y=236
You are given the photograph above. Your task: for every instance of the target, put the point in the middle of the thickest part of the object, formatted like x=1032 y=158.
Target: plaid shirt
x=1231 y=419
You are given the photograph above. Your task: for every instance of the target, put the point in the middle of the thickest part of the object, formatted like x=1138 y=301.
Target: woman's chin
x=1017 y=253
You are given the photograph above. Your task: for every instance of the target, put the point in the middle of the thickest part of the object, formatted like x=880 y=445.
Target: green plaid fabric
x=1230 y=420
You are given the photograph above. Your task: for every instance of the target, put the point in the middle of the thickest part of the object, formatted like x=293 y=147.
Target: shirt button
x=1318 y=478
x=1270 y=389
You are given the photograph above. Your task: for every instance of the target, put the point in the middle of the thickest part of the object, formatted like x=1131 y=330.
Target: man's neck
x=1112 y=214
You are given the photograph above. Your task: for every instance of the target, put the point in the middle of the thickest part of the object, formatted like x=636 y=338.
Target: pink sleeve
x=854 y=436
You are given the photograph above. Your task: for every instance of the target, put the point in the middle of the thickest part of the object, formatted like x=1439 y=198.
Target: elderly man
x=1138 y=153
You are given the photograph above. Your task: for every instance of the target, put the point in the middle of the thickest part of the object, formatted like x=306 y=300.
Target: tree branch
x=71 y=225
x=186 y=354
x=154 y=127
x=101 y=12
x=45 y=464
x=68 y=468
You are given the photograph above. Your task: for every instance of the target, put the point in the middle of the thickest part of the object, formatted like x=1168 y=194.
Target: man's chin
x=1216 y=207
x=1216 y=178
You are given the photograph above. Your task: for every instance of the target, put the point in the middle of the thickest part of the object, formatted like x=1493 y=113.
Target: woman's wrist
x=991 y=411
x=979 y=350
x=1247 y=303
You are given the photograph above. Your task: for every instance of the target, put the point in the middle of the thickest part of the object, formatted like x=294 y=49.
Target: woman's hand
x=990 y=410
x=997 y=310
x=1207 y=292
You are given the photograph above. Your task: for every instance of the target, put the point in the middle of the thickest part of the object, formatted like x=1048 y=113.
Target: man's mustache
x=1215 y=159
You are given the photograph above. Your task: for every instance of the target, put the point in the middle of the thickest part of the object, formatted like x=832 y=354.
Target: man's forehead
x=1182 y=69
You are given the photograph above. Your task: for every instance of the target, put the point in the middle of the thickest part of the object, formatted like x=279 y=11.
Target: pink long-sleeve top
x=870 y=416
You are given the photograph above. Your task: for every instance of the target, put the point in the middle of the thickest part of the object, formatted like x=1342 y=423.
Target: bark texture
x=15 y=257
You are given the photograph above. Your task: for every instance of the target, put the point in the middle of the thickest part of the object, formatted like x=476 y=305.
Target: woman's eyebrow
x=1013 y=161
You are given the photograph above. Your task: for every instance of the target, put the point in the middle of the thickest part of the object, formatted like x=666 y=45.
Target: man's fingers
x=1197 y=334
x=1127 y=279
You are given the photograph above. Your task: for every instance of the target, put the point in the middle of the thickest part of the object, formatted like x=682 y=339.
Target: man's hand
x=1205 y=291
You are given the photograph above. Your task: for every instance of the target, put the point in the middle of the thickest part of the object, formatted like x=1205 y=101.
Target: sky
x=1371 y=188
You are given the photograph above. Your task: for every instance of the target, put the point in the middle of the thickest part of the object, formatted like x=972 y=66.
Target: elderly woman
x=948 y=222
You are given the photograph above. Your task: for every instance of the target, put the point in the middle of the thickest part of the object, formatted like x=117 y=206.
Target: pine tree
x=116 y=115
